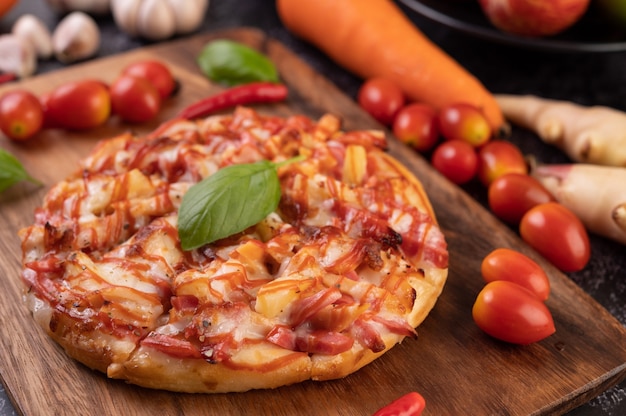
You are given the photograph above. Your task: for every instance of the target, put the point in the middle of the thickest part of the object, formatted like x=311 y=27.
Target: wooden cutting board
x=457 y=368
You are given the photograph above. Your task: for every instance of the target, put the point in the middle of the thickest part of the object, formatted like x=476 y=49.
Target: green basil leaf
x=227 y=202
x=232 y=63
x=12 y=171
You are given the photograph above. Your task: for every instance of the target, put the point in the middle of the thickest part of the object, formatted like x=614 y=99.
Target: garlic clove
x=76 y=37
x=17 y=56
x=33 y=30
x=189 y=17
x=125 y=15
x=155 y=20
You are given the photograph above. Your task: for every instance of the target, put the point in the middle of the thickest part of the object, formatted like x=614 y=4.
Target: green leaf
x=231 y=63
x=227 y=202
x=12 y=171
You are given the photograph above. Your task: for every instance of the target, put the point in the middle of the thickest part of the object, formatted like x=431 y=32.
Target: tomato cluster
x=458 y=135
x=547 y=226
x=135 y=96
x=463 y=148
x=511 y=306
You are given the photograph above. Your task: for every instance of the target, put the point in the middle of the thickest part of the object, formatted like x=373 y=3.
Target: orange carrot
x=6 y=5
x=374 y=38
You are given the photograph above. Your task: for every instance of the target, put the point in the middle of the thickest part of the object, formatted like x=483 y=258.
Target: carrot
x=373 y=38
x=596 y=194
x=6 y=5
x=594 y=134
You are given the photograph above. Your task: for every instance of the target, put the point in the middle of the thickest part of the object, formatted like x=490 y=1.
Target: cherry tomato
x=48 y=122
x=381 y=98
x=21 y=115
x=411 y=404
x=513 y=266
x=499 y=157
x=558 y=234
x=134 y=99
x=79 y=105
x=511 y=313
x=463 y=121
x=456 y=160
x=416 y=125
x=156 y=72
x=511 y=195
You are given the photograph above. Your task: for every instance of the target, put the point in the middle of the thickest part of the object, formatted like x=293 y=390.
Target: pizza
x=350 y=262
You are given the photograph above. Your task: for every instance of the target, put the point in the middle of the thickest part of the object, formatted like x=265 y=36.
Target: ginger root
x=594 y=134
x=596 y=194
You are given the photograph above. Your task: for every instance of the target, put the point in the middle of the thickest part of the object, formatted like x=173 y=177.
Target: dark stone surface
x=590 y=79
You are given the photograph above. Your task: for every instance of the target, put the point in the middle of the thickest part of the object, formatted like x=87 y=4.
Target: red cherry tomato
x=78 y=105
x=416 y=125
x=21 y=115
x=381 y=98
x=511 y=313
x=513 y=266
x=134 y=99
x=463 y=121
x=411 y=404
x=156 y=72
x=47 y=120
x=511 y=195
x=558 y=234
x=497 y=158
x=456 y=160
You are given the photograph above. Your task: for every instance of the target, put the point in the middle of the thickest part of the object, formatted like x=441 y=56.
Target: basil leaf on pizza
x=227 y=202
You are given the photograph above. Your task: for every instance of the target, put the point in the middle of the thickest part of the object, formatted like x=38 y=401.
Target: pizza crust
x=153 y=369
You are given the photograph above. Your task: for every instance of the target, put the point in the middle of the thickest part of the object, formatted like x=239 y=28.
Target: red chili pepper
x=411 y=404
x=256 y=92
x=7 y=77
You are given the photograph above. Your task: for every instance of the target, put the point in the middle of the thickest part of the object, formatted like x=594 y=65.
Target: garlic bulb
x=158 y=19
x=188 y=18
x=17 y=56
x=87 y=6
x=76 y=37
x=34 y=31
x=155 y=20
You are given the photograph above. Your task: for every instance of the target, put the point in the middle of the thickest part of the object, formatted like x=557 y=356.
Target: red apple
x=534 y=18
